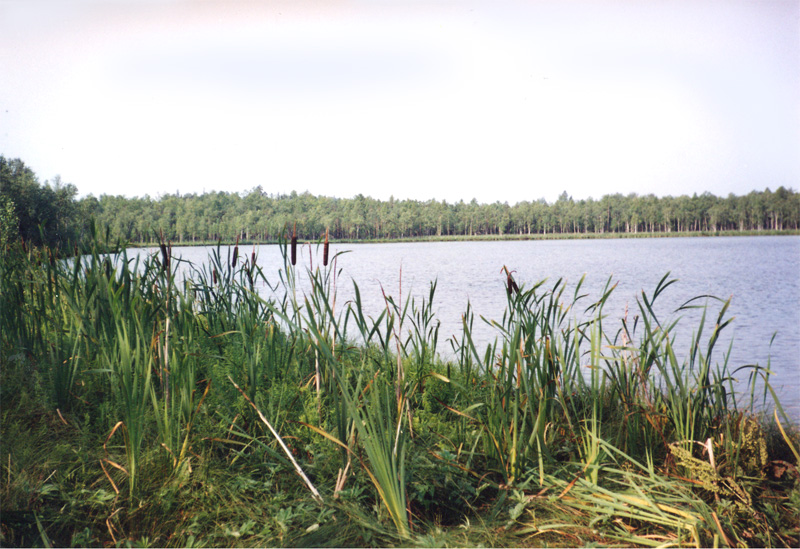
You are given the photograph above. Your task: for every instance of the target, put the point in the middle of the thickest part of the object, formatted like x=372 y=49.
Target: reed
x=177 y=399
x=565 y=424
x=129 y=366
x=378 y=417
x=365 y=401
x=528 y=378
x=423 y=336
x=64 y=356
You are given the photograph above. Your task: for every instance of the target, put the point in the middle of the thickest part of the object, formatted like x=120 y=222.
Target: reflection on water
x=761 y=275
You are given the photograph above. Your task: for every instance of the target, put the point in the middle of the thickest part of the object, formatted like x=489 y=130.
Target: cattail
x=294 y=244
x=252 y=267
x=163 y=248
x=511 y=286
x=165 y=256
x=325 y=250
x=214 y=276
x=235 y=253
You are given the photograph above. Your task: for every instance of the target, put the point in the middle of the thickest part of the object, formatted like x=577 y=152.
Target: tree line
x=257 y=215
x=40 y=214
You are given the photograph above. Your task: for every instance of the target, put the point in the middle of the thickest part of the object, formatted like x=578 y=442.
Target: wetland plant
x=351 y=428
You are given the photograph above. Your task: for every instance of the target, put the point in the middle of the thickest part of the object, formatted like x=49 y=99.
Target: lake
x=760 y=274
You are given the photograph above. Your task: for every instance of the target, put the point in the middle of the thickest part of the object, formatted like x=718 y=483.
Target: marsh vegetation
x=143 y=409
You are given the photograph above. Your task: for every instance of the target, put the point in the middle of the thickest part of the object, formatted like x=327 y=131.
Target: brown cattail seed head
x=214 y=276
x=235 y=253
x=325 y=250
x=294 y=244
x=511 y=285
x=165 y=257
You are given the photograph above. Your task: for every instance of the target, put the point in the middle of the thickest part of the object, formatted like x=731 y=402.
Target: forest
x=260 y=216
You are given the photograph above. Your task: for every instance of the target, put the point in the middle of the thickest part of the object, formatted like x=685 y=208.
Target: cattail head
x=235 y=253
x=294 y=244
x=250 y=266
x=164 y=256
x=325 y=250
x=511 y=285
x=214 y=276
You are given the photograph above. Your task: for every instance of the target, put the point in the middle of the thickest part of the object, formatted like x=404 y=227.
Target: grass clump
x=145 y=410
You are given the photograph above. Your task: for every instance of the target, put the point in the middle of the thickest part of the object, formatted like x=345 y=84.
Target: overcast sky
x=486 y=99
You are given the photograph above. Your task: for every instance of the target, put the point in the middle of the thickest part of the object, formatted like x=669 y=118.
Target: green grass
x=137 y=411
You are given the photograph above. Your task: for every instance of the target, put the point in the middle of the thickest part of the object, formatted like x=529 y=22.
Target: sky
x=489 y=99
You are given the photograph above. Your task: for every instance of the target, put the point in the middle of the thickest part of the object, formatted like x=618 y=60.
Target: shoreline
x=492 y=237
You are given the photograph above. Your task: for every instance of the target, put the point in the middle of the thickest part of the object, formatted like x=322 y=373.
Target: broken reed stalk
x=314 y=492
x=294 y=244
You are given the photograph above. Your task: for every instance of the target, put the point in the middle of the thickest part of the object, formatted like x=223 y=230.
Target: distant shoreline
x=494 y=237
